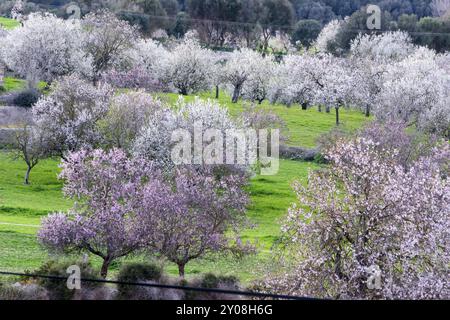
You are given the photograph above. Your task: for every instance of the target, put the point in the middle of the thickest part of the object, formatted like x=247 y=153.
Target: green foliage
x=306 y=31
x=354 y=25
x=434 y=33
x=211 y=281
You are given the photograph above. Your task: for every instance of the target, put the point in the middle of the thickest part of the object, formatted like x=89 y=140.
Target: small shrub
x=136 y=272
x=23 y=290
x=26 y=98
x=57 y=288
x=298 y=153
x=8 y=292
x=211 y=281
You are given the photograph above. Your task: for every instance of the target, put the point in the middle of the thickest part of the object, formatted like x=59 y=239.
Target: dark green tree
x=306 y=31
x=214 y=18
x=276 y=15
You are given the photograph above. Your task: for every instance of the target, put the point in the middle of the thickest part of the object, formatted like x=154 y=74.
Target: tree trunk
x=181 y=269
x=105 y=266
x=327 y=109
x=337 y=115
x=95 y=79
x=217 y=92
x=367 y=111
x=319 y=108
x=236 y=94
x=304 y=106
x=27 y=176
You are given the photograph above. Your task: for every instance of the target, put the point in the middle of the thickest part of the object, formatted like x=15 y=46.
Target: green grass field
x=8 y=24
x=305 y=126
x=13 y=84
x=22 y=207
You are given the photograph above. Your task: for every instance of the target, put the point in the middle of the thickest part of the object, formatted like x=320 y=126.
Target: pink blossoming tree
x=106 y=219
x=369 y=212
x=124 y=205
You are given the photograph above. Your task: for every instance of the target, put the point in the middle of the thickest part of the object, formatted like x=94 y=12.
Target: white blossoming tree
x=69 y=115
x=415 y=90
x=155 y=140
x=297 y=79
x=334 y=84
x=44 y=48
x=259 y=82
x=328 y=35
x=188 y=67
x=240 y=67
x=107 y=40
x=127 y=115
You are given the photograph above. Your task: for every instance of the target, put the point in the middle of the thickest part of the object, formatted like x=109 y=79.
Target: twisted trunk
x=27 y=175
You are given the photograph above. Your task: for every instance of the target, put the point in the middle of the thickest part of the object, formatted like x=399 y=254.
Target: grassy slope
x=26 y=205
x=13 y=84
x=305 y=126
x=8 y=23
x=270 y=195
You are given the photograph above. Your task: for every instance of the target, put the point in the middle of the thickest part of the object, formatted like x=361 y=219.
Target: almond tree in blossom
x=188 y=67
x=69 y=115
x=107 y=218
x=44 y=48
x=240 y=66
x=368 y=211
x=196 y=214
x=371 y=56
x=415 y=90
x=106 y=39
